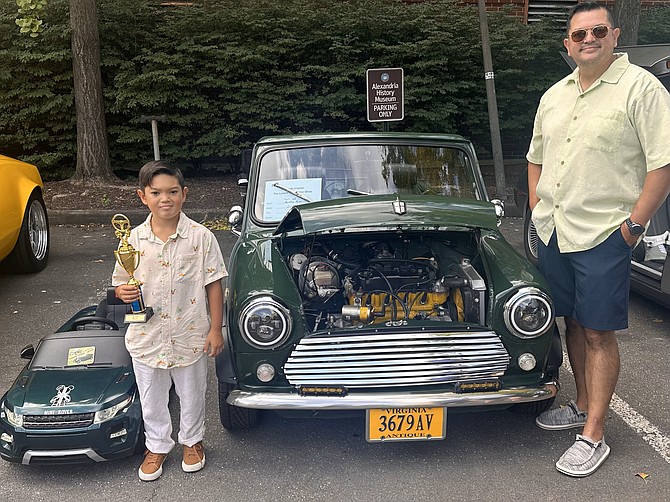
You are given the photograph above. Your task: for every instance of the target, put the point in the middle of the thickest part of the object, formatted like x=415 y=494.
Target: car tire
x=530 y=238
x=534 y=408
x=141 y=445
x=31 y=252
x=234 y=417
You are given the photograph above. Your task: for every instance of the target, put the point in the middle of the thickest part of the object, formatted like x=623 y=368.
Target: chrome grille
x=398 y=359
x=73 y=421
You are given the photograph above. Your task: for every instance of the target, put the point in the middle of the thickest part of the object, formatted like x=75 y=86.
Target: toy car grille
x=397 y=360
x=58 y=421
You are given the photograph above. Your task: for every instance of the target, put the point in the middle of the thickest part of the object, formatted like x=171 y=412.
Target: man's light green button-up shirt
x=595 y=148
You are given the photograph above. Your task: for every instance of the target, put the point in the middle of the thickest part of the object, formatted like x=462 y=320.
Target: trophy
x=129 y=258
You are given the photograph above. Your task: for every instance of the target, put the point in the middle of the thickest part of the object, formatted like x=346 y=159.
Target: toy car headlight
x=529 y=313
x=265 y=323
x=15 y=419
x=112 y=411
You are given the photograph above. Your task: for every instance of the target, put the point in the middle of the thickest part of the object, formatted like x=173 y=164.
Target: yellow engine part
x=414 y=301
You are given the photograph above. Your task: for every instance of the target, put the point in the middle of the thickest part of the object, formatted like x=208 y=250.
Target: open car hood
x=385 y=212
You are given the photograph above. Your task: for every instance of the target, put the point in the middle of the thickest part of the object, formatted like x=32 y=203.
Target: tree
x=92 y=148
x=627 y=17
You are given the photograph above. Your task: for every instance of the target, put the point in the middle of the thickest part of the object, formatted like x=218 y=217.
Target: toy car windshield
x=78 y=352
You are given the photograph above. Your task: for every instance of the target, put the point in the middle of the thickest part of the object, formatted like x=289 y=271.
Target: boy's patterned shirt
x=173 y=275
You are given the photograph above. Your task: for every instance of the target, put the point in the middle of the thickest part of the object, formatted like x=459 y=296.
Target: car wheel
x=534 y=408
x=530 y=238
x=140 y=446
x=234 y=417
x=31 y=252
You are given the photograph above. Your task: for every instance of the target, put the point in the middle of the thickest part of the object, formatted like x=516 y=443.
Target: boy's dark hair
x=588 y=7
x=156 y=167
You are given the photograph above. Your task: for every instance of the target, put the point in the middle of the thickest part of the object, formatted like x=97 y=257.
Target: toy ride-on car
x=370 y=275
x=76 y=399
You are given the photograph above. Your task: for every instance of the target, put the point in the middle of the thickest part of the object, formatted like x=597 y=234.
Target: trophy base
x=138 y=317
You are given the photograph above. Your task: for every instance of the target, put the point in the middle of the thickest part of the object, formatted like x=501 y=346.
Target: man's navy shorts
x=590 y=286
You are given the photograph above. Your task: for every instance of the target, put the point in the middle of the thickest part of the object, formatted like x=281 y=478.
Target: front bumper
x=367 y=400
x=114 y=439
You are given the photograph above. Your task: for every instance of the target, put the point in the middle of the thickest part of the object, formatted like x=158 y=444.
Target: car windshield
x=290 y=177
x=78 y=352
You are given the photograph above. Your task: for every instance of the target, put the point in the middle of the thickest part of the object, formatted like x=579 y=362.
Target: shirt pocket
x=188 y=268
x=605 y=131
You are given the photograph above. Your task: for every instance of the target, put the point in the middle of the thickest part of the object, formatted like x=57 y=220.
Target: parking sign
x=385 y=94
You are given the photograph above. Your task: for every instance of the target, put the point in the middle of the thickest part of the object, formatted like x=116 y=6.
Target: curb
x=136 y=216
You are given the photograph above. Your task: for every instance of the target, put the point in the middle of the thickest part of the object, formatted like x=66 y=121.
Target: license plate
x=406 y=424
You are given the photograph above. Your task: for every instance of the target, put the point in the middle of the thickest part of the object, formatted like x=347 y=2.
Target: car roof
x=336 y=138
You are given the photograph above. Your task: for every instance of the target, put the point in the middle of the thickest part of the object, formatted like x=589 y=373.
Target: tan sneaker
x=152 y=467
x=194 y=457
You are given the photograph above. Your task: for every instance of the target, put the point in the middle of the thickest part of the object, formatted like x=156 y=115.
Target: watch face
x=634 y=228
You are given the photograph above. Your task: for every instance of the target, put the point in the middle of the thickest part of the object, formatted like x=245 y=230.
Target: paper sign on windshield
x=282 y=195
x=80 y=355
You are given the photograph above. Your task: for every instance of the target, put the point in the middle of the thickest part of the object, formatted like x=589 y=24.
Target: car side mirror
x=28 y=352
x=242 y=185
x=500 y=209
x=235 y=217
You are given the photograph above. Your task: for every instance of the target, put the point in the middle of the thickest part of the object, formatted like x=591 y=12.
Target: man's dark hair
x=156 y=167
x=587 y=7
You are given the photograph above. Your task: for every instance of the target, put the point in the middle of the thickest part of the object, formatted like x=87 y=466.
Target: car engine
x=348 y=282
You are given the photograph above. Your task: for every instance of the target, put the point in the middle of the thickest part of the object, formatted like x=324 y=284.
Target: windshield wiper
x=351 y=191
x=292 y=192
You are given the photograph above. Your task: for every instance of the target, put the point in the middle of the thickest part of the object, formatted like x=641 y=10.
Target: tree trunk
x=92 y=149
x=627 y=17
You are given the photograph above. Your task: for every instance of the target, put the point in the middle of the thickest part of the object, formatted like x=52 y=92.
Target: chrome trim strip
x=644 y=269
x=366 y=400
x=32 y=454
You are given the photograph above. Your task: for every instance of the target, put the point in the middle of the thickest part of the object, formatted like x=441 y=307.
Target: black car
x=650 y=274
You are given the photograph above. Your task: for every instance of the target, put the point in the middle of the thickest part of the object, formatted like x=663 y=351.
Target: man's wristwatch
x=634 y=228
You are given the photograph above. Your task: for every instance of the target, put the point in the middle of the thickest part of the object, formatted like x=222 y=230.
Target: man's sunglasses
x=599 y=31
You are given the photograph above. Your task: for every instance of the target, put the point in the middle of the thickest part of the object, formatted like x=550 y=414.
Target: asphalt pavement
x=487 y=456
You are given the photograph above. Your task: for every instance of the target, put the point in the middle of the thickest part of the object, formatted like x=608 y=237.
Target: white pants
x=154 y=384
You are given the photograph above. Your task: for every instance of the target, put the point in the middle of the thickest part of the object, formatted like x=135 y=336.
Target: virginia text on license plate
x=406 y=424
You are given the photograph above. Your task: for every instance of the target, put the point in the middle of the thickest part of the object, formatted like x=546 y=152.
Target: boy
x=180 y=270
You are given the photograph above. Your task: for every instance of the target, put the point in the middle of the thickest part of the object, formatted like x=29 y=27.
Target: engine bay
x=349 y=280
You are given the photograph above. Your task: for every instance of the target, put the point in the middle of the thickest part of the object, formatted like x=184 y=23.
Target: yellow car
x=24 y=225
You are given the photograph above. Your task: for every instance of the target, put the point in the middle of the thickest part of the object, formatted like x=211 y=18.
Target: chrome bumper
x=31 y=455
x=365 y=400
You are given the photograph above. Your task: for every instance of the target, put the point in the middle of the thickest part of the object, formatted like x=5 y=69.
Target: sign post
x=385 y=94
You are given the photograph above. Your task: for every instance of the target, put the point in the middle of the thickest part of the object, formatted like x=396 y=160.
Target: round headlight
x=529 y=313
x=265 y=323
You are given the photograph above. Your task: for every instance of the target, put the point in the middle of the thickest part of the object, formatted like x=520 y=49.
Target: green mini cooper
x=369 y=274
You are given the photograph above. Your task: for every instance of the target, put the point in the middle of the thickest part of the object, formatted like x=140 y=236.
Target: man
x=598 y=169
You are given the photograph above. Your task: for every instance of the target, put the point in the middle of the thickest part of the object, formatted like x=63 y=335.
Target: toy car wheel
x=31 y=252
x=140 y=446
x=234 y=417
x=530 y=238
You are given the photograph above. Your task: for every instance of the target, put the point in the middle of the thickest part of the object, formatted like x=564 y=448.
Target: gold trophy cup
x=129 y=258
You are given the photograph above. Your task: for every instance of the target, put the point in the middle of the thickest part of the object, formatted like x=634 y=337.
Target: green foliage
x=655 y=25
x=37 y=120
x=30 y=22
x=224 y=73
